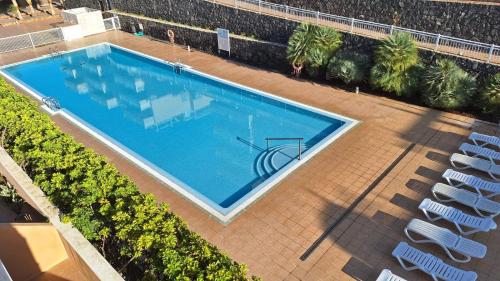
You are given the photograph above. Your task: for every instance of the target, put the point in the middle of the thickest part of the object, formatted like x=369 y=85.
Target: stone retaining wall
x=472 y=21
x=194 y=22
x=259 y=53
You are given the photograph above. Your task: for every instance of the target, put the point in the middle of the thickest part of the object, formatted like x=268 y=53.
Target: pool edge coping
x=244 y=202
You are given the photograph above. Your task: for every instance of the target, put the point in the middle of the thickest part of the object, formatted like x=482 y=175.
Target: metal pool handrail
x=299 y=139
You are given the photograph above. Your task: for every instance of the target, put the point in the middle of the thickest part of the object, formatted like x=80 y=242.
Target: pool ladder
x=51 y=103
x=300 y=140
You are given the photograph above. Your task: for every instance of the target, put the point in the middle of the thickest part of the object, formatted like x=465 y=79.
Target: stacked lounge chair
x=484 y=188
x=468 y=190
x=435 y=211
x=387 y=275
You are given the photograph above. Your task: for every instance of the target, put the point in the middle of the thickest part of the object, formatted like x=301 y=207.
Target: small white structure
x=83 y=22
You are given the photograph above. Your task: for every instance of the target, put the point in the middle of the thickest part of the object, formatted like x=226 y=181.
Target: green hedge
x=138 y=236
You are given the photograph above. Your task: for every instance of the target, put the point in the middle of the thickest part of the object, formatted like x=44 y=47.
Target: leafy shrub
x=327 y=39
x=396 y=68
x=445 y=85
x=490 y=96
x=299 y=44
x=312 y=46
x=349 y=66
x=7 y=7
x=316 y=60
x=135 y=233
x=325 y=43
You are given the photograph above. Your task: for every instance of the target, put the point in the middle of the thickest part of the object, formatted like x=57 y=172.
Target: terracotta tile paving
x=274 y=232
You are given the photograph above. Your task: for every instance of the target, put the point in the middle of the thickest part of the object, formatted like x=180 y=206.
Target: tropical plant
x=30 y=4
x=324 y=45
x=396 y=68
x=327 y=39
x=6 y=7
x=312 y=46
x=299 y=45
x=489 y=97
x=349 y=66
x=137 y=235
x=446 y=85
x=9 y=193
x=16 y=9
x=316 y=60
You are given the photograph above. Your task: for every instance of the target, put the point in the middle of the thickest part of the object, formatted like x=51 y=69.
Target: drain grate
x=354 y=204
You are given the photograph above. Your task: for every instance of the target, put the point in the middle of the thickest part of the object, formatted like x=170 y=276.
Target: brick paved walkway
x=273 y=233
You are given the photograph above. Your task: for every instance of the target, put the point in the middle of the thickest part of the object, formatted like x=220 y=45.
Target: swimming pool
x=205 y=137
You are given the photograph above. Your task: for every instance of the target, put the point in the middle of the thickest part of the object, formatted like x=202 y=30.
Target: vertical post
x=317 y=17
x=286 y=11
x=31 y=40
x=392 y=29
x=352 y=25
x=267 y=144
x=260 y=7
x=490 y=54
x=437 y=42
x=113 y=22
x=300 y=149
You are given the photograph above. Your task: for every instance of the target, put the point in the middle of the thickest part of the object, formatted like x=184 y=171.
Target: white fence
x=485 y=52
x=112 y=23
x=44 y=37
x=30 y=40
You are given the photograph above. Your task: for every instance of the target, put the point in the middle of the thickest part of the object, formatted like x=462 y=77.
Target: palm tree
x=396 y=65
x=312 y=44
x=316 y=61
x=51 y=7
x=349 y=66
x=327 y=39
x=447 y=86
x=16 y=7
x=30 y=4
x=299 y=45
x=490 y=97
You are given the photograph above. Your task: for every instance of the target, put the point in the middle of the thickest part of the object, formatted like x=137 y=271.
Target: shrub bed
x=139 y=237
x=397 y=71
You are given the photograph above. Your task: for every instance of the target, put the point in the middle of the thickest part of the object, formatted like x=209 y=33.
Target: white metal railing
x=112 y=23
x=489 y=53
x=44 y=37
x=30 y=40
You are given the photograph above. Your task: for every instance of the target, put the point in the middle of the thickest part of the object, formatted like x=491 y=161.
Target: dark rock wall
x=478 y=22
x=258 y=53
x=199 y=13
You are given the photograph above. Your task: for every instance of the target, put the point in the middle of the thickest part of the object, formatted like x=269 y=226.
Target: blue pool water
x=205 y=135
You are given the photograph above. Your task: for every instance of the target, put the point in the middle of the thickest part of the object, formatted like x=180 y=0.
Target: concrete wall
x=29 y=249
x=94 y=265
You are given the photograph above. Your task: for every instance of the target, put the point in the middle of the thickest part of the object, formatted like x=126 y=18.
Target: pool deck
x=275 y=231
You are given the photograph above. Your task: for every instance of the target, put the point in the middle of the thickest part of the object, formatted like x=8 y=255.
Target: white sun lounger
x=461 y=162
x=484 y=140
x=449 y=241
x=459 y=179
x=483 y=206
x=435 y=211
x=480 y=152
x=411 y=259
x=387 y=275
